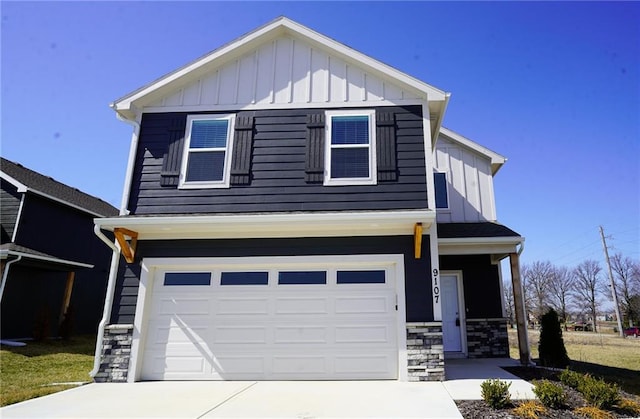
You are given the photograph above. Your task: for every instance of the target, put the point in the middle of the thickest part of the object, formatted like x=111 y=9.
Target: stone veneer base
x=116 y=352
x=425 y=352
x=487 y=338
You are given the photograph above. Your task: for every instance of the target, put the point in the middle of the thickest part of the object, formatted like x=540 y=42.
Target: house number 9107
x=436 y=287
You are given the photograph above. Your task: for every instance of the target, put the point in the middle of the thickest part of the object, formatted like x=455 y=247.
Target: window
x=187 y=278
x=302 y=277
x=244 y=278
x=361 y=277
x=207 y=156
x=440 y=185
x=350 y=148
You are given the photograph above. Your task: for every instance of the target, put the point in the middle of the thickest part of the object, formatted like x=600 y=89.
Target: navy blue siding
x=9 y=207
x=278 y=171
x=64 y=232
x=481 y=283
x=417 y=271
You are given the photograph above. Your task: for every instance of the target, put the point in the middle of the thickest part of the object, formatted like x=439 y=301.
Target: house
x=51 y=259
x=294 y=210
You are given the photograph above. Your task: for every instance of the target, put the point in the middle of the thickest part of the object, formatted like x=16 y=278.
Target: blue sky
x=555 y=87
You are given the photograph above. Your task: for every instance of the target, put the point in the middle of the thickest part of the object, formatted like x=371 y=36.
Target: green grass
x=27 y=372
x=605 y=355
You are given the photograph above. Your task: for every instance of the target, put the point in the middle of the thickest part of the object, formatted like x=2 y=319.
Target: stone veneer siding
x=116 y=352
x=425 y=352
x=487 y=338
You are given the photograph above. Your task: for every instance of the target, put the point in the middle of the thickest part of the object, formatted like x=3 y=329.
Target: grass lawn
x=27 y=372
x=600 y=354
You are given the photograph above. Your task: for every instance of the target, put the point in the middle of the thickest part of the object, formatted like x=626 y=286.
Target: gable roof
x=28 y=180
x=497 y=160
x=242 y=49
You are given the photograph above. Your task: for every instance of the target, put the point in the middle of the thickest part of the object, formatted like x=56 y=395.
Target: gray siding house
x=294 y=210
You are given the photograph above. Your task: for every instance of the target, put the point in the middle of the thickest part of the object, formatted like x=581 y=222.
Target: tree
x=588 y=287
x=560 y=289
x=551 y=345
x=509 y=306
x=626 y=274
x=537 y=278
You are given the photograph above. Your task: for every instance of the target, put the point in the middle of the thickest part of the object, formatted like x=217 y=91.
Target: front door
x=451 y=318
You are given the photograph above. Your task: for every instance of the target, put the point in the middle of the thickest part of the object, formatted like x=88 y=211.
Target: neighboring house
x=293 y=210
x=51 y=258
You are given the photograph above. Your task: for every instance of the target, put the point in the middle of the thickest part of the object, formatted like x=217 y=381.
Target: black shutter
x=314 y=168
x=172 y=159
x=242 y=147
x=386 y=146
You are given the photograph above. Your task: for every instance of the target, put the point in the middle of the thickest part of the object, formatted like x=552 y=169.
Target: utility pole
x=613 y=285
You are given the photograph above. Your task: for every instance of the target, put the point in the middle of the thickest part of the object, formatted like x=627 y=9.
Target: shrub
x=551 y=346
x=550 y=394
x=593 y=413
x=496 y=393
x=530 y=409
x=628 y=407
x=599 y=393
x=571 y=378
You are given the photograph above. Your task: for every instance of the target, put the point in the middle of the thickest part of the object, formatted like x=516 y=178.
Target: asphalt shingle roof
x=49 y=186
x=486 y=229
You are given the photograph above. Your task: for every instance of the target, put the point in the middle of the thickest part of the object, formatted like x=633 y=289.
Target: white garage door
x=296 y=321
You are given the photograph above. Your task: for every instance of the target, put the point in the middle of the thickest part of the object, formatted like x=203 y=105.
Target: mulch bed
x=477 y=409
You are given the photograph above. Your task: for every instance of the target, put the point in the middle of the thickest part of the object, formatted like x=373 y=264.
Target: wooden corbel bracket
x=128 y=247
x=417 y=240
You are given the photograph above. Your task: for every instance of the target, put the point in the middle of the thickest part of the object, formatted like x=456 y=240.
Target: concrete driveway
x=276 y=399
x=243 y=399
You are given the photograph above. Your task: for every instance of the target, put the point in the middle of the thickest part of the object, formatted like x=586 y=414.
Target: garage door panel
x=293 y=327
x=242 y=306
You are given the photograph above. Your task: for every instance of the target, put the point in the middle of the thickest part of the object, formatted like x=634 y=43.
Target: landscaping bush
x=530 y=409
x=495 y=393
x=571 y=378
x=629 y=407
x=593 y=413
x=550 y=394
x=551 y=347
x=599 y=393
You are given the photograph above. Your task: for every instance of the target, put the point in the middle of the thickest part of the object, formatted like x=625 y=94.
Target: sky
x=553 y=86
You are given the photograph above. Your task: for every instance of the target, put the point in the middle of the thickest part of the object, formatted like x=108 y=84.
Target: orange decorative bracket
x=128 y=247
x=417 y=240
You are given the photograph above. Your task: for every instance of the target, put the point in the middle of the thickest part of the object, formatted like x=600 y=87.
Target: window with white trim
x=207 y=156
x=350 y=148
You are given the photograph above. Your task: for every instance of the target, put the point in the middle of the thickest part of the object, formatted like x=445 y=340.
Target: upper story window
x=440 y=186
x=350 y=151
x=207 y=156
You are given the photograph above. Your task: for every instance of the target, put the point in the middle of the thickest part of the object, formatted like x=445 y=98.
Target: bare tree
x=537 y=279
x=509 y=306
x=560 y=290
x=627 y=280
x=588 y=287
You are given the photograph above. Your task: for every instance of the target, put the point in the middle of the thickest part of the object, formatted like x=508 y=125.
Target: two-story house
x=53 y=267
x=293 y=209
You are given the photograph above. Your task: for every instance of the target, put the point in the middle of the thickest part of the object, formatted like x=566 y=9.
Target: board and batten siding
x=278 y=171
x=469 y=183
x=417 y=271
x=9 y=208
x=284 y=71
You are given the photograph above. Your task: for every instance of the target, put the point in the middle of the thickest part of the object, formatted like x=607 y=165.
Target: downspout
x=108 y=299
x=124 y=206
x=5 y=274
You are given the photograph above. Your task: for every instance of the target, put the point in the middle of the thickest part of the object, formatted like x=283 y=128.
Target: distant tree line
x=579 y=293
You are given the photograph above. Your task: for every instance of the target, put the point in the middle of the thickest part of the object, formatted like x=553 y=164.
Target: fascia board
x=497 y=160
x=479 y=245
x=22 y=188
x=5 y=253
x=281 y=25
x=330 y=224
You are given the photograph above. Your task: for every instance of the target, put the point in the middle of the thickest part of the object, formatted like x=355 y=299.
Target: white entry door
x=295 y=320
x=451 y=314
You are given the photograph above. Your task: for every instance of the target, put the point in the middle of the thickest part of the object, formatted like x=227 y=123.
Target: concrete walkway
x=269 y=399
